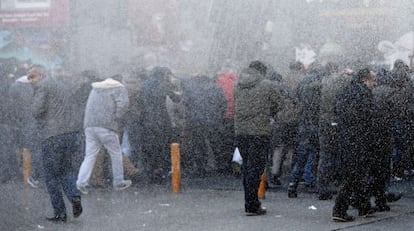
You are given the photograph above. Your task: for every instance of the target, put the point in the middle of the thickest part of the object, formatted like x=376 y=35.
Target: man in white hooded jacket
x=106 y=105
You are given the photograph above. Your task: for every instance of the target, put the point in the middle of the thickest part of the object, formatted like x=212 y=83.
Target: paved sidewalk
x=205 y=204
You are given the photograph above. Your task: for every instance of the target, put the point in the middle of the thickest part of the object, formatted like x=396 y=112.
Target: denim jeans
x=58 y=152
x=305 y=155
x=254 y=151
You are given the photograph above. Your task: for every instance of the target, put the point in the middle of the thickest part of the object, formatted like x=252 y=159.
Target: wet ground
x=214 y=203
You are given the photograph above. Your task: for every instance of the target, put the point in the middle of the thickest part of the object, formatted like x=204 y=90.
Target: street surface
x=215 y=203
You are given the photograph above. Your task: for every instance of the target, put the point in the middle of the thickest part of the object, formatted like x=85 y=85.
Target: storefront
x=34 y=31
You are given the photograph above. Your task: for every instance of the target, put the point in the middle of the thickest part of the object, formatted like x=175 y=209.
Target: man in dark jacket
x=309 y=96
x=157 y=127
x=355 y=108
x=328 y=129
x=256 y=103
x=204 y=104
x=60 y=139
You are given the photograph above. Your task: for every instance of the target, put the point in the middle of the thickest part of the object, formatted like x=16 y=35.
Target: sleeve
x=39 y=106
x=122 y=103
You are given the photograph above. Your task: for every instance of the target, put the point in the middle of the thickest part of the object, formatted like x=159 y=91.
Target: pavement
x=212 y=203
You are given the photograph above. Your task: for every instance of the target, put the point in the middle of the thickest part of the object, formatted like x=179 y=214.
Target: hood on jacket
x=249 y=78
x=107 y=83
x=23 y=79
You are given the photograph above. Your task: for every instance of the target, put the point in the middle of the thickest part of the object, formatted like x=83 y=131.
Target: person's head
x=296 y=66
x=367 y=77
x=161 y=74
x=400 y=73
x=36 y=74
x=259 y=66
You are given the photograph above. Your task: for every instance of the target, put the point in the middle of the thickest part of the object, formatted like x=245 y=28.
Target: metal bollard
x=261 y=193
x=176 y=169
x=27 y=165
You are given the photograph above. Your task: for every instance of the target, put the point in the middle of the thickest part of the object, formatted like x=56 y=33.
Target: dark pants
x=328 y=149
x=354 y=177
x=58 y=152
x=9 y=168
x=254 y=151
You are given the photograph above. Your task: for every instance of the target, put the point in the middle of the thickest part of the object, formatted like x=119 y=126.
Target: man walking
x=52 y=111
x=106 y=105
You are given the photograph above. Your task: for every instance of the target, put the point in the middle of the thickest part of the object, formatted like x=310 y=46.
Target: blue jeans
x=58 y=152
x=305 y=155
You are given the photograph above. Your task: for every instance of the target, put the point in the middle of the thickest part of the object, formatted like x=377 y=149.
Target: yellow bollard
x=27 y=165
x=176 y=169
x=262 y=191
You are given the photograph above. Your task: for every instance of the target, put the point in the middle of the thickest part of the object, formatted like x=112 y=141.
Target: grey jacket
x=106 y=105
x=52 y=108
x=257 y=101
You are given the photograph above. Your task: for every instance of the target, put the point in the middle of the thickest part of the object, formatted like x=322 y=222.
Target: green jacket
x=257 y=102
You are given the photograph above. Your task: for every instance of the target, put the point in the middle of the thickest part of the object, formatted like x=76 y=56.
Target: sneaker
x=325 y=196
x=366 y=212
x=125 y=184
x=382 y=208
x=292 y=193
x=76 y=207
x=82 y=189
x=57 y=218
x=32 y=182
x=409 y=173
x=342 y=217
x=260 y=211
x=393 y=197
x=396 y=179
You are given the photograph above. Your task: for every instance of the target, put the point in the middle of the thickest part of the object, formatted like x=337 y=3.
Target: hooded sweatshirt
x=106 y=105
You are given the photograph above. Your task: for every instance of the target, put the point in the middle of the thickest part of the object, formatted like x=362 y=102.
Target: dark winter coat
x=204 y=103
x=355 y=110
x=309 y=99
x=52 y=108
x=257 y=101
x=154 y=95
x=21 y=94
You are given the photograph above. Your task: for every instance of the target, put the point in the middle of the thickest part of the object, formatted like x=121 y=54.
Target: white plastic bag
x=237 y=157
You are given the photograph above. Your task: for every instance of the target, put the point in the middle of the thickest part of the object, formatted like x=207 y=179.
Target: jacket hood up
x=107 y=83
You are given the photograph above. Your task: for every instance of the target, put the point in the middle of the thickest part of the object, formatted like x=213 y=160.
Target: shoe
x=260 y=211
x=32 y=182
x=342 y=217
x=76 y=207
x=325 y=196
x=393 y=197
x=409 y=173
x=366 y=212
x=82 y=189
x=396 y=179
x=125 y=184
x=292 y=193
x=382 y=208
x=276 y=181
x=57 y=218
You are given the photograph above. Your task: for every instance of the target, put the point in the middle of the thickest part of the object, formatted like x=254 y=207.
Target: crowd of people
x=347 y=127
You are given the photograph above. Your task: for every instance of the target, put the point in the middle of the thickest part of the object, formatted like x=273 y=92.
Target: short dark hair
x=258 y=66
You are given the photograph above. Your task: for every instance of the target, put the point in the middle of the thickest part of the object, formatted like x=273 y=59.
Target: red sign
x=33 y=13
